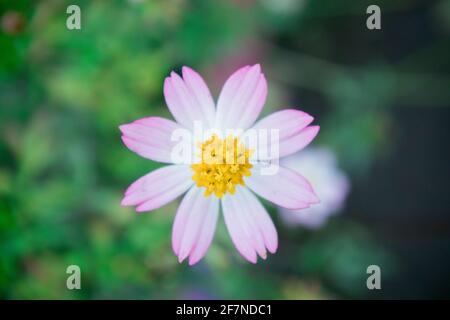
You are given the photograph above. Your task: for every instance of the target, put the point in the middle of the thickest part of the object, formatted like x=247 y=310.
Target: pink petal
x=201 y=93
x=259 y=215
x=287 y=121
x=150 y=138
x=298 y=141
x=248 y=223
x=189 y=99
x=206 y=234
x=254 y=221
x=194 y=225
x=286 y=188
x=238 y=234
x=227 y=94
x=293 y=133
x=241 y=99
x=196 y=208
x=158 y=188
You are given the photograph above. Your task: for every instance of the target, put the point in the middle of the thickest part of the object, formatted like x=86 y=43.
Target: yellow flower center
x=224 y=163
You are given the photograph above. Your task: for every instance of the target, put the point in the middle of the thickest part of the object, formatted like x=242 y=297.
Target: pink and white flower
x=211 y=185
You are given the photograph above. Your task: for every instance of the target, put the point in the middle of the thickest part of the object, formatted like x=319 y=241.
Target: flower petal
x=287 y=121
x=206 y=234
x=189 y=99
x=258 y=214
x=248 y=223
x=286 y=188
x=239 y=231
x=293 y=133
x=241 y=99
x=158 y=188
x=254 y=221
x=298 y=141
x=150 y=138
x=194 y=225
x=199 y=90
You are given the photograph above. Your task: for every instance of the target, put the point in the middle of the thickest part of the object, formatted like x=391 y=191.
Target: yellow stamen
x=224 y=163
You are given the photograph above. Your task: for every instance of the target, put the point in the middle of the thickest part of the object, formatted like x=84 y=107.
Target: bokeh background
x=381 y=97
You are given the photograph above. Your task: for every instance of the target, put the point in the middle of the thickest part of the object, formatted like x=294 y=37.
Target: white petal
x=158 y=188
x=259 y=215
x=292 y=134
x=150 y=138
x=207 y=232
x=201 y=94
x=194 y=225
x=286 y=188
x=237 y=233
x=189 y=99
x=248 y=223
x=241 y=99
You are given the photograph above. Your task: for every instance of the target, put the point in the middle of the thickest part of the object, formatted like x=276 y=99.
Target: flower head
x=222 y=165
x=234 y=159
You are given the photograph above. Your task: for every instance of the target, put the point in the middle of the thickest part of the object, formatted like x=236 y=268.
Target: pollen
x=223 y=165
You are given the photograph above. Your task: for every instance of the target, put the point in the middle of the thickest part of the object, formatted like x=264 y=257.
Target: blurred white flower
x=319 y=166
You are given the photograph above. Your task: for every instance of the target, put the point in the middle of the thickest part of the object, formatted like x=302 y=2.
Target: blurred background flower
x=381 y=99
x=319 y=166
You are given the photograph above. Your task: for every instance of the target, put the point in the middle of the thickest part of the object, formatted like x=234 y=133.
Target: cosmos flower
x=226 y=172
x=319 y=165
